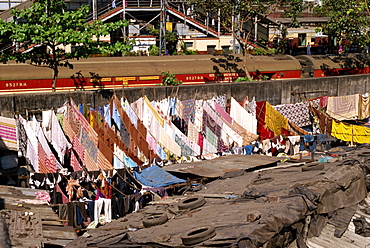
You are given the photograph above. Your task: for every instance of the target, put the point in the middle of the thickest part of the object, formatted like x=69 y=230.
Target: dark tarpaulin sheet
x=155 y=176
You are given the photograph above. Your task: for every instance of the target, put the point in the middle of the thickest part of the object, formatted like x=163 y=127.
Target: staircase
x=7 y=16
x=197 y=23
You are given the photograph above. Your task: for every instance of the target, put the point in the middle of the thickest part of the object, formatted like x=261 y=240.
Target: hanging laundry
x=242 y=117
x=54 y=134
x=8 y=134
x=274 y=120
x=129 y=111
x=364 y=110
x=325 y=121
x=188 y=110
x=298 y=113
x=342 y=131
x=361 y=134
x=344 y=107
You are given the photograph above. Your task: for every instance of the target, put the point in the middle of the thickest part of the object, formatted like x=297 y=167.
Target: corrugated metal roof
x=219 y=166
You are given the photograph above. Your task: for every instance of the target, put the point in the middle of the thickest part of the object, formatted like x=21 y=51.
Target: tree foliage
x=233 y=14
x=347 y=19
x=42 y=31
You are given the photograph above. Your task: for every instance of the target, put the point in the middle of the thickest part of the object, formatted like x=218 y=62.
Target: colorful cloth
x=324 y=101
x=361 y=134
x=188 y=109
x=325 y=121
x=298 y=113
x=8 y=134
x=222 y=112
x=274 y=120
x=344 y=107
x=214 y=128
x=221 y=100
x=342 y=131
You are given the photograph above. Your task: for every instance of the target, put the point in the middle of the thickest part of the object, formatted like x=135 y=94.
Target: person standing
x=340 y=49
x=114 y=4
x=309 y=48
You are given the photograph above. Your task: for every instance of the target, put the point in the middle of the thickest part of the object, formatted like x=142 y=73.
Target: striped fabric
x=90 y=164
x=42 y=160
x=8 y=134
x=103 y=163
x=75 y=164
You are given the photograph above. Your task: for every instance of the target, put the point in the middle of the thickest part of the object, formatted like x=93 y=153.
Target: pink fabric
x=64 y=197
x=41 y=195
x=151 y=141
x=75 y=164
x=200 y=141
x=223 y=113
x=324 y=101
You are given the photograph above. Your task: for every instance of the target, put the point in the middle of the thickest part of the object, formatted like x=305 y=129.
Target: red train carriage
x=116 y=72
x=332 y=65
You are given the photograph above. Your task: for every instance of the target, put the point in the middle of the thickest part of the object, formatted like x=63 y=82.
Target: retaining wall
x=275 y=92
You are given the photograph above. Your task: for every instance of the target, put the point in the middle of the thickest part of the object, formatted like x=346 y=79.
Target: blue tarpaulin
x=155 y=176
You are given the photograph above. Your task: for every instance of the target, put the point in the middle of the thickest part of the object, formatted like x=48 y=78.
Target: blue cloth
x=79 y=217
x=116 y=117
x=129 y=162
x=82 y=108
x=90 y=207
x=324 y=159
x=308 y=138
x=161 y=153
x=248 y=149
x=107 y=116
x=155 y=176
x=118 y=164
x=321 y=138
x=172 y=107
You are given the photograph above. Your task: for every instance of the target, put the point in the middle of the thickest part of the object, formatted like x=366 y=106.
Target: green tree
x=235 y=14
x=347 y=18
x=170 y=79
x=42 y=31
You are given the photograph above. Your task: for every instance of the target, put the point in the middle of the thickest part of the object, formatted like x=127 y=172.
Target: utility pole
x=124 y=17
x=95 y=9
x=162 y=32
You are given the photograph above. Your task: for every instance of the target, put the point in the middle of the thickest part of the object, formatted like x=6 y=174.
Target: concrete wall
x=275 y=92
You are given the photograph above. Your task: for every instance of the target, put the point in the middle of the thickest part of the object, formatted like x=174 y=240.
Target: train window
x=189 y=44
x=211 y=49
x=225 y=49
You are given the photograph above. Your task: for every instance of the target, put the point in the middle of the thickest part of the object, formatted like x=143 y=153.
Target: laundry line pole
x=124 y=18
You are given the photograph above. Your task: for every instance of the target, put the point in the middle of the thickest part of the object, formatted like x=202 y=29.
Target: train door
x=302 y=39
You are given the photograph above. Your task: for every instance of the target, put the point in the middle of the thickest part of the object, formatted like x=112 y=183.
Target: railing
x=6 y=48
x=204 y=21
x=106 y=8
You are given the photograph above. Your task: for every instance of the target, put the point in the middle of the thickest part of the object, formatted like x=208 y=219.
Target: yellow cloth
x=342 y=131
x=155 y=113
x=274 y=120
x=361 y=134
